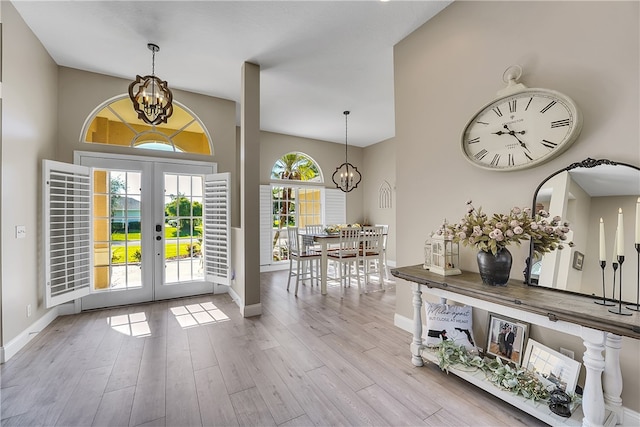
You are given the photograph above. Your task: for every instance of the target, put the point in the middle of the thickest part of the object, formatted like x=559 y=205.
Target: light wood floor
x=311 y=360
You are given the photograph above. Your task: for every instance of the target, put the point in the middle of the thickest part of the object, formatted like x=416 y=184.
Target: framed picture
x=506 y=338
x=554 y=369
x=578 y=259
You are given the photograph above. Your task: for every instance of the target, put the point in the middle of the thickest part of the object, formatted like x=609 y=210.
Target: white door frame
x=153 y=169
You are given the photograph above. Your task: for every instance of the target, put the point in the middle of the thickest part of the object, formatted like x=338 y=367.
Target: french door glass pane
x=117 y=226
x=284 y=215
x=183 y=228
x=310 y=209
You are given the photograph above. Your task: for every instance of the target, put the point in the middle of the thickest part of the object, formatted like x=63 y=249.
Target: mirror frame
x=587 y=163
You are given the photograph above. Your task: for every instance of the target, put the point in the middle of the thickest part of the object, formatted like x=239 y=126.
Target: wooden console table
x=564 y=312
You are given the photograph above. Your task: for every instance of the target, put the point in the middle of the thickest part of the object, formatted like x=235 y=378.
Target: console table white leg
x=593 y=399
x=612 y=375
x=416 y=344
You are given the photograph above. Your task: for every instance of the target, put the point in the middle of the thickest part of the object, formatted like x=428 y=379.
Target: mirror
x=581 y=194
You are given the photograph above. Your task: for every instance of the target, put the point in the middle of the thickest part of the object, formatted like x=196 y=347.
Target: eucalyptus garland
x=516 y=380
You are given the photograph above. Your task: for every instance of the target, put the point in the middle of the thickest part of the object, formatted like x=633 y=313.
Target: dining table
x=325 y=240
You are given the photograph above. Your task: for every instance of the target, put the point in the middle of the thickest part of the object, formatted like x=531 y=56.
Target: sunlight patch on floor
x=197 y=314
x=133 y=325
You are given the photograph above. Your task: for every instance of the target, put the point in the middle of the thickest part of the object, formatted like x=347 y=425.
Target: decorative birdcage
x=445 y=256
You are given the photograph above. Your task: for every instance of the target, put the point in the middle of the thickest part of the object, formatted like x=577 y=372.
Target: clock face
x=521 y=130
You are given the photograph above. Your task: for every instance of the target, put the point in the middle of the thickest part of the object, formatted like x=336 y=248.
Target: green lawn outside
x=172 y=251
x=169 y=232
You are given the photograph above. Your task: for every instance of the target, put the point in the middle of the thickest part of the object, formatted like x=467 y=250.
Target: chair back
x=385 y=234
x=372 y=240
x=349 y=242
x=314 y=229
x=293 y=241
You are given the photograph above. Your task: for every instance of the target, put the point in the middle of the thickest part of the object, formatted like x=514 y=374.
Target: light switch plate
x=21 y=231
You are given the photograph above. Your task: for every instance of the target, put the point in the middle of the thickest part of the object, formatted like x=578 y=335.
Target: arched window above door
x=116 y=123
x=296 y=166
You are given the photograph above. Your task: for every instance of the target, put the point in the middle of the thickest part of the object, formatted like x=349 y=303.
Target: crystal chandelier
x=346 y=177
x=151 y=97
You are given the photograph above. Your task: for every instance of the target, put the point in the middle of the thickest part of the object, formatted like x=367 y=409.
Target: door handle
x=158 y=228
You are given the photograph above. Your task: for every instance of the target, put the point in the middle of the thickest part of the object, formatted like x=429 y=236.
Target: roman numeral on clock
x=474 y=140
x=512 y=105
x=480 y=154
x=549 y=144
x=560 y=123
x=549 y=105
x=528 y=156
x=497 y=111
x=495 y=160
x=528 y=103
x=510 y=160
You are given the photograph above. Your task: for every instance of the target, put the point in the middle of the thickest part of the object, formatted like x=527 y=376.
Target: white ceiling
x=317 y=58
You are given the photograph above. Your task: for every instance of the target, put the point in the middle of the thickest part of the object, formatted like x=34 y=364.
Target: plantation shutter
x=266 y=225
x=67 y=231
x=217 y=229
x=335 y=206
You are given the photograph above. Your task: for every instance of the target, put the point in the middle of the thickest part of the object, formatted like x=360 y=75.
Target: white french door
x=148 y=226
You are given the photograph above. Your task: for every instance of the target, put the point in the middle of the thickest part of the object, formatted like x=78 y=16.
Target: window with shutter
x=217 y=229
x=67 y=231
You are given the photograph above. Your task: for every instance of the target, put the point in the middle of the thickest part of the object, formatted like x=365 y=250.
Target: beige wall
x=380 y=165
x=29 y=102
x=450 y=67
x=328 y=156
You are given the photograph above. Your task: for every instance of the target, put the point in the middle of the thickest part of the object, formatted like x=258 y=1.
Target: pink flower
x=519 y=230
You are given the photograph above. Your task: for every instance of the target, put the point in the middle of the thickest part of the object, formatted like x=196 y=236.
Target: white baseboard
x=274 y=267
x=403 y=323
x=631 y=418
x=245 y=310
x=251 y=310
x=16 y=344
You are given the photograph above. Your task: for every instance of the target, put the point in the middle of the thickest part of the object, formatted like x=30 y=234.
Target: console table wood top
x=556 y=305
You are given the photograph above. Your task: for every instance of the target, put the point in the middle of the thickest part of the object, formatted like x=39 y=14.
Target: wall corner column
x=250 y=186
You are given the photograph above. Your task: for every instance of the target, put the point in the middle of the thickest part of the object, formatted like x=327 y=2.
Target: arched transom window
x=116 y=123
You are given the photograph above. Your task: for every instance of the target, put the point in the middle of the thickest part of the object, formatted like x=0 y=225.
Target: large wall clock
x=523 y=127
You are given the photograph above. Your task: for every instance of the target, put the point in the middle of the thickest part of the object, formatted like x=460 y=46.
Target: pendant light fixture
x=346 y=177
x=151 y=97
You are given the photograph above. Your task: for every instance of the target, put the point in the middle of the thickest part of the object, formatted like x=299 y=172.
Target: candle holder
x=604 y=301
x=636 y=306
x=619 y=309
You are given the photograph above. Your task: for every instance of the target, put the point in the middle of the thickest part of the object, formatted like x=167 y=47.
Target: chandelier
x=151 y=97
x=346 y=177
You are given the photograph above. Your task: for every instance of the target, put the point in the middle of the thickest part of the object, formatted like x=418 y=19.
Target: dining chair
x=385 y=236
x=371 y=253
x=305 y=258
x=347 y=258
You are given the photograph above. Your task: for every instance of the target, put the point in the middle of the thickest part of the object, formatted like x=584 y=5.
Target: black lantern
x=346 y=177
x=151 y=97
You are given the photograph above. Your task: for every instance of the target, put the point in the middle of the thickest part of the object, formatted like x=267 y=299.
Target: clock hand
x=513 y=133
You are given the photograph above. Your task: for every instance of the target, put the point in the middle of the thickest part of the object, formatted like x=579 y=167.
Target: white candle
x=638 y=221
x=615 y=248
x=602 y=249
x=620 y=233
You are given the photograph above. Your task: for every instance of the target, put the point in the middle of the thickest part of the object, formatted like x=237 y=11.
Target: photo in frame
x=506 y=338
x=554 y=369
x=578 y=260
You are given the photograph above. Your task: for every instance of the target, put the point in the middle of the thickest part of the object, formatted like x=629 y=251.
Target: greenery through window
x=294 y=205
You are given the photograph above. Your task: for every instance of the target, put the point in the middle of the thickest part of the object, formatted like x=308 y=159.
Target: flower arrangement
x=493 y=233
x=335 y=228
